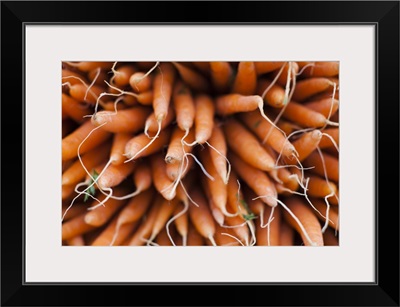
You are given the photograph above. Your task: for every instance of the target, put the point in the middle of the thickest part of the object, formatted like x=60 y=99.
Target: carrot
x=192 y=78
x=177 y=171
x=162 y=183
x=76 y=241
x=216 y=212
x=100 y=215
x=241 y=141
x=140 y=82
x=329 y=136
x=217 y=187
x=165 y=238
x=136 y=147
x=83 y=93
x=319 y=69
x=67 y=191
x=145 y=98
x=74 y=109
x=308 y=220
x=306 y=144
x=221 y=76
x=283 y=77
x=266 y=67
x=333 y=217
x=107 y=236
x=232 y=103
x=118 y=147
x=122 y=75
x=152 y=124
x=255 y=178
x=326 y=106
x=115 y=174
x=114 y=105
x=142 y=177
x=135 y=208
x=184 y=106
x=67 y=126
x=245 y=81
x=330 y=238
x=225 y=236
x=203 y=67
x=269 y=235
x=327 y=163
x=92 y=158
x=176 y=149
x=240 y=228
x=74 y=211
x=201 y=216
x=129 y=120
x=162 y=87
x=194 y=238
x=319 y=187
x=145 y=227
x=167 y=207
x=286 y=235
x=83 y=138
x=309 y=87
x=204 y=118
x=97 y=76
x=218 y=153
x=272 y=94
x=276 y=139
x=303 y=116
x=181 y=221
x=75 y=226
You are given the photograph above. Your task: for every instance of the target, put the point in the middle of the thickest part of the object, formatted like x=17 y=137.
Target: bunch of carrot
x=200 y=153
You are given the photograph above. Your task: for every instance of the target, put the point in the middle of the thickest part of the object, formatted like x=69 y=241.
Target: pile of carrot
x=200 y=153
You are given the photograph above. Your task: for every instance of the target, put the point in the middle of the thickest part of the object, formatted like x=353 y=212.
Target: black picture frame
x=384 y=15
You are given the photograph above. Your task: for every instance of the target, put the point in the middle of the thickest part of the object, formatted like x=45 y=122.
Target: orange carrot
x=261 y=127
x=179 y=169
x=142 y=177
x=129 y=120
x=145 y=227
x=162 y=87
x=203 y=67
x=97 y=76
x=115 y=174
x=273 y=95
x=283 y=77
x=218 y=152
x=240 y=228
x=225 y=236
x=311 y=233
x=221 y=75
x=100 y=215
x=75 y=226
x=326 y=141
x=87 y=66
x=306 y=144
x=319 y=187
x=140 y=82
x=167 y=207
x=245 y=82
x=176 y=149
x=333 y=216
x=181 y=221
x=107 y=236
x=67 y=191
x=330 y=238
x=145 y=98
x=184 y=106
x=331 y=165
x=286 y=235
x=255 y=178
x=204 y=118
x=194 y=237
x=216 y=212
x=309 y=87
x=269 y=235
x=152 y=124
x=266 y=67
x=319 y=69
x=75 y=210
x=228 y=104
x=217 y=187
x=326 y=106
x=74 y=109
x=76 y=241
x=192 y=78
x=92 y=158
x=83 y=93
x=247 y=146
x=201 y=216
x=72 y=77
x=118 y=147
x=303 y=116
x=122 y=75
x=162 y=183
x=138 y=142
x=76 y=139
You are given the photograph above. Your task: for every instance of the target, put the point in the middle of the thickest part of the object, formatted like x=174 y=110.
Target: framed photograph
x=200 y=154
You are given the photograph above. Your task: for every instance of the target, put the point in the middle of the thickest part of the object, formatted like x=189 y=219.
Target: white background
x=48 y=261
